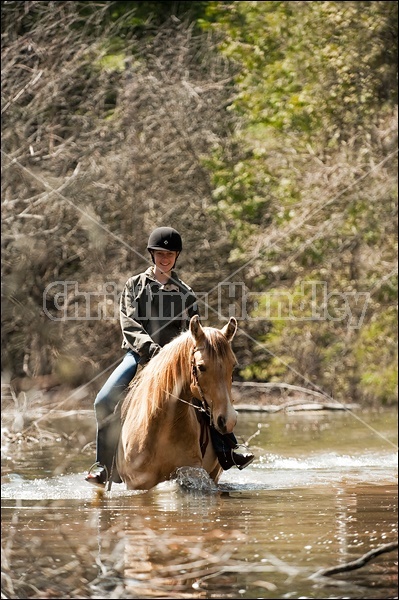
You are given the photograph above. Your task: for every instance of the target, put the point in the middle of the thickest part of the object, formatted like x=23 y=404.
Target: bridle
x=205 y=406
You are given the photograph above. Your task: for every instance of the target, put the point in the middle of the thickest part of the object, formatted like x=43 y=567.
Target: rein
x=202 y=408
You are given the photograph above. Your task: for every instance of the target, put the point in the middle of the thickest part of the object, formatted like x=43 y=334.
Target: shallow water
x=321 y=492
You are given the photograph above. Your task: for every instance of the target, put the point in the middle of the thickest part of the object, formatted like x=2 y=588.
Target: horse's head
x=213 y=363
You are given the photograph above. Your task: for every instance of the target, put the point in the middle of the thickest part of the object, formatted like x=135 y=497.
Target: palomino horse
x=168 y=410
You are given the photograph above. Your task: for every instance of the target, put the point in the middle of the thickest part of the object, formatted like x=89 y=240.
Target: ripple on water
x=269 y=471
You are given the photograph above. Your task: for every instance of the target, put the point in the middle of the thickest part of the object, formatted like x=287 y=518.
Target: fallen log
x=278 y=385
x=358 y=563
x=325 y=401
x=294 y=406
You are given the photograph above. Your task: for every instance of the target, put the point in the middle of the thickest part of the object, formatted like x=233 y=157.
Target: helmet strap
x=177 y=256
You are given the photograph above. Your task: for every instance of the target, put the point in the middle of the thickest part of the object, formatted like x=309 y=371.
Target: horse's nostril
x=222 y=424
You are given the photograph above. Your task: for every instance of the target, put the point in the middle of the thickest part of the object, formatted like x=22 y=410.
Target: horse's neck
x=179 y=404
x=180 y=395
x=176 y=423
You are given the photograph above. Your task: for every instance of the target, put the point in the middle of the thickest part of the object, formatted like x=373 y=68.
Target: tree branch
x=356 y=564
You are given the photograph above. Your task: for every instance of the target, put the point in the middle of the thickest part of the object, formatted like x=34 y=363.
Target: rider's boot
x=97 y=475
x=230 y=458
x=226 y=450
x=104 y=469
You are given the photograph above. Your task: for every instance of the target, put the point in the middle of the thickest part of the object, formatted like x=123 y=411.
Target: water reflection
x=319 y=493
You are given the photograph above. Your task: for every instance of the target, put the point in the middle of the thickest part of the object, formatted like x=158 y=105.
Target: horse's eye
x=201 y=368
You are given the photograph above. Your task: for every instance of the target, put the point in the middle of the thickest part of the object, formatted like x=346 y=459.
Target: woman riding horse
x=156 y=306
x=183 y=392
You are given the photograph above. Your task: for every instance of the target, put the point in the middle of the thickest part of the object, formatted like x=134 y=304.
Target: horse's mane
x=166 y=375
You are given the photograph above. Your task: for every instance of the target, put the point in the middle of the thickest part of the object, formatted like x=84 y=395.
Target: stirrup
x=97 y=475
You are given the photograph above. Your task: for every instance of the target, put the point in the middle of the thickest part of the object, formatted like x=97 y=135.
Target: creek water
x=321 y=492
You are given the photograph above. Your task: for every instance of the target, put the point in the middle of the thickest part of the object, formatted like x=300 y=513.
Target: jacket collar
x=171 y=285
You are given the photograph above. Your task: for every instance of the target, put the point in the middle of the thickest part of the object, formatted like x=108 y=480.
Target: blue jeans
x=107 y=411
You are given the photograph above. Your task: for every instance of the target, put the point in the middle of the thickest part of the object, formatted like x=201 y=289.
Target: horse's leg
x=215 y=473
x=120 y=459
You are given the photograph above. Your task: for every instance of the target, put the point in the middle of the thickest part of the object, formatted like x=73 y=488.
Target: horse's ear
x=230 y=329
x=196 y=329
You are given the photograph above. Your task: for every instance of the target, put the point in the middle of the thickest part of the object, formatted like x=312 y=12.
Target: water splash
x=273 y=471
x=330 y=460
x=195 y=479
x=269 y=471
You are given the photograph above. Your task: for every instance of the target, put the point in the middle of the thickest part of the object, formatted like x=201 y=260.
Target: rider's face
x=164 y=260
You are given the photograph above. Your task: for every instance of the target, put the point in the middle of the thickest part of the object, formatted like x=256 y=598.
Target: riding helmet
x=165 y=238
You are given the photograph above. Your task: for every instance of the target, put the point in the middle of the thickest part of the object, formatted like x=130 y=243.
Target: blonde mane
x=167 y=375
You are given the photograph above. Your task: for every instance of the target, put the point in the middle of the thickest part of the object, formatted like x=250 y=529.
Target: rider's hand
x=154 y=349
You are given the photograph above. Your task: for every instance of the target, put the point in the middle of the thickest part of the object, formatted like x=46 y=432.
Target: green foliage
x=377 y=355
x=316 y=68
x=311 y=75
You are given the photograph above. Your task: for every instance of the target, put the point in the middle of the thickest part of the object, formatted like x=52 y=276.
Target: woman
x=156 y=306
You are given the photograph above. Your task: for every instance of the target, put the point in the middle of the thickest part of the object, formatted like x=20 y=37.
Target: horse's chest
x=183 y=443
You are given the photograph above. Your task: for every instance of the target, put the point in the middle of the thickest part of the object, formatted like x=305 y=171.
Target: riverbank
x=46 y=393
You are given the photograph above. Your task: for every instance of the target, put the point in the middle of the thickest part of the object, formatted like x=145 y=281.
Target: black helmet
x=165 y=238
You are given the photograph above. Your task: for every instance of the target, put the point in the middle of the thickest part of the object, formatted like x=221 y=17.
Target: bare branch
x=358 y=563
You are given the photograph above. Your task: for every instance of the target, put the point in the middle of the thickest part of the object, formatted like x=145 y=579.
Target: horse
x=171 y=404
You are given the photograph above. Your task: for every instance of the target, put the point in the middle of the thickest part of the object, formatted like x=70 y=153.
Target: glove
x=148 y=352
x=154 y=349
